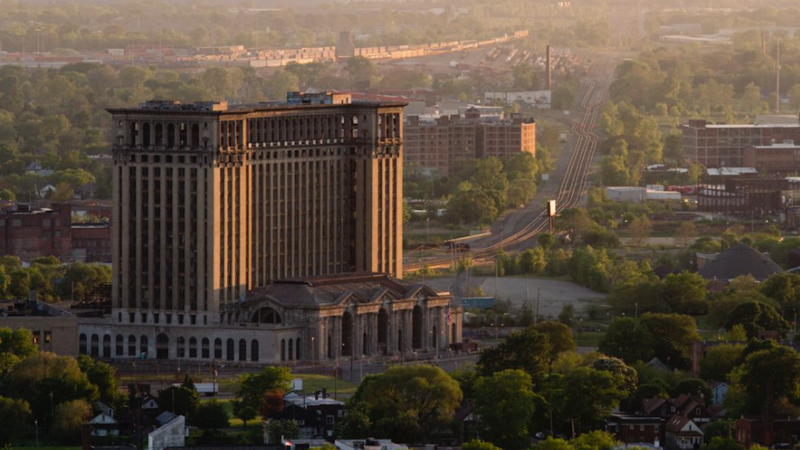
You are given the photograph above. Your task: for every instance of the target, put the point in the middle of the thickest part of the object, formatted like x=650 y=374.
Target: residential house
x=104 y=425
x=719 y=391
x=635 y=430
x=692 y=408
x=316 y=415
x=659 y=407
x=682 y=434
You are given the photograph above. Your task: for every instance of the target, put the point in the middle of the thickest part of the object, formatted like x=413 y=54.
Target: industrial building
x=724 y=145
x=435 y=144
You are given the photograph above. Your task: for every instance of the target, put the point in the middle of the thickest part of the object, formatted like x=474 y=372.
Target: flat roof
x=207 y=108
x=777 y=147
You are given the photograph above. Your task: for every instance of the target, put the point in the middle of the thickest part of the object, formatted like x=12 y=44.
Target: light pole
x=36 y=422
x=313 y=355
x=637 y=310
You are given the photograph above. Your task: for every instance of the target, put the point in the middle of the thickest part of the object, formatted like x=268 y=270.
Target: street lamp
x=313 y=355
x=37 y=433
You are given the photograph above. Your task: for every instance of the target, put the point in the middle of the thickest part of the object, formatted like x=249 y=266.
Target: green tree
x=243 y=412
x=761 y=385
x=477 y=444
x=567 y=314
x=587 y=396
x=179 y=400
x=553 y=444
x=614 y=171
x=693 y=388
x=14 y=415
x=532 y=261
x=253 y=387
x=279 y=431
x=595 y=440
x=629 y=377
x=354 y=425
x=685 y=232
x=639 y=230
x=18 y=342
x=558 y=335
x=415 y=399
x=720 y=360
x=755 y=317
x=671 y=337
x=46 y=379
x=359 y=68
x=685 y=293
x=783 y=287
x=470 y=204
x=624 y=339
x=104 y=376
x=719 y=443
x=211 y=415
x=526 y=350
x=505 y=404
x=69 y=416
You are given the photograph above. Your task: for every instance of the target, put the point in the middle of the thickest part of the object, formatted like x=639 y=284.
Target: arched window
x=290 y=353
x=206 y=350
x=107 y=346
x=192 y=347
x=229 y=350
x=266 y=315
x=242 y=350
x=297 y=352
x=171 y=135
x=347 y=334
x=95 y=346
x=217 y=348
x=195 y=135
x=143 y=344
x=82 y=344
x=146 y=135
x=184 y=135
x=254 y=350
x=181 y=347
x=120 y=350
x=131 y=345
x=416 y=328
x=283 y=349
x=159 y=140
x=134 y=134
x=162 y=346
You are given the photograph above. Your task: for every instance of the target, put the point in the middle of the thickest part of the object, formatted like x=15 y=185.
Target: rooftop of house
x=737 y=261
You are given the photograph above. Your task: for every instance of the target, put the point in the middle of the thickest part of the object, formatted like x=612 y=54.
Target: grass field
x=589 y=338
x=312 y=383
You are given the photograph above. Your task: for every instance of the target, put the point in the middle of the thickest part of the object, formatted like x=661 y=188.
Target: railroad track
x=571 y=190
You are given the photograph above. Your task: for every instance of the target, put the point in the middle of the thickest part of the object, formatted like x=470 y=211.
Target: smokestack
x=548 y=84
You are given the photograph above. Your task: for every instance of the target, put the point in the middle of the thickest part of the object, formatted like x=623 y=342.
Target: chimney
x=548 y=83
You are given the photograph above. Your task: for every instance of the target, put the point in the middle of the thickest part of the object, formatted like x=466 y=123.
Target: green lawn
x=313 y=383
x=589 y=338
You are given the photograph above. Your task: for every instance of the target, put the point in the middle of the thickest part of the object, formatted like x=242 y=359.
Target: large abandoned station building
x=264 y=233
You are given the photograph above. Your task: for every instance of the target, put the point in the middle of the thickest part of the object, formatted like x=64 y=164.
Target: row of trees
x=486 y=187
x=51 y=280
x=56 y=390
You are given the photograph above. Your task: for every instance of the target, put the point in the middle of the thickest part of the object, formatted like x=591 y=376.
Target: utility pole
x=536 y=308
x=778 y=79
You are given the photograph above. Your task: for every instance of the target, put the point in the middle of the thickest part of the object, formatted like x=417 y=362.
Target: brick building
x=782 y=158
x=28 y=232
x=755 y=430
x=436 y=144
x=724 y=145
x=634 y=429
x=91 y=242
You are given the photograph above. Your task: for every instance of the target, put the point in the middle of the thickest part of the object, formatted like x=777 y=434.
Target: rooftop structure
x=738 y=261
